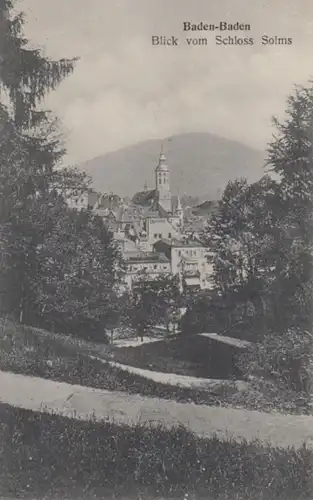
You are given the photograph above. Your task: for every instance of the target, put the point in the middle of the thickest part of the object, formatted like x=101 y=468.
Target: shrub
x=287 y=359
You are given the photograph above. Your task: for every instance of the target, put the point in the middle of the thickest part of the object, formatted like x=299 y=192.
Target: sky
x=124 y=90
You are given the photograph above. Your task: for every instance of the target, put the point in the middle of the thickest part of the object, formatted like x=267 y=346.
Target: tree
x=290 y=156
x=205 y=312
x=25 y=74
x=77 y=287
x=154 y=302
x=241 y=236
x=30 y=152
x=262 y=236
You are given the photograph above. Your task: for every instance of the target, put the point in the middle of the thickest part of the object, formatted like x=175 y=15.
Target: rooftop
x=144 y=197
x=182 y=244
x=150 y=257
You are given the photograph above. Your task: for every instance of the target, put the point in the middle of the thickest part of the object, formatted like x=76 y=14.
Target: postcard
x=156 y=250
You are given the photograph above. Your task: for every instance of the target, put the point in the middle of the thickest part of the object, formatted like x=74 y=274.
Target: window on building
x=160 y=235
x=155 y=266
x=169 y=235
x=155 y=235
x=179 y=253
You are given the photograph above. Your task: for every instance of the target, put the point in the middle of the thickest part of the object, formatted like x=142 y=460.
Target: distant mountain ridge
x=206 y=208
x=201 y=164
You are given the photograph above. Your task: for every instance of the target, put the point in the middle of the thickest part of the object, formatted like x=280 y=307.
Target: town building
x=84 y=201
x=145 y=266
x=189 y=259
x=150 y=234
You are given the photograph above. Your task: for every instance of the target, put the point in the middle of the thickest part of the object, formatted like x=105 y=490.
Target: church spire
x=162 y=165
x=162 y=181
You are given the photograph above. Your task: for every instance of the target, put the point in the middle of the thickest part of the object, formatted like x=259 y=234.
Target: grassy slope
x=199 y=357
x=31 y=351
x=44 y=454
x=185 y=355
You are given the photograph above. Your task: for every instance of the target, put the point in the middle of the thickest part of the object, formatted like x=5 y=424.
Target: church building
x=160 y=201
x=163 y=193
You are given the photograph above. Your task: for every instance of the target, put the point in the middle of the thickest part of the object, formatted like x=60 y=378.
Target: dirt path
x=80 y=402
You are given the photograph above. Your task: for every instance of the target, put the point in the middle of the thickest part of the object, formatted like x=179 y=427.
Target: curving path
x=205 y=384
x=80 y=402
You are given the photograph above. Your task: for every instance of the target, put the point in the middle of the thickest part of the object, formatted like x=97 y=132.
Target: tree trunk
x=21 y=313
x=21 y=306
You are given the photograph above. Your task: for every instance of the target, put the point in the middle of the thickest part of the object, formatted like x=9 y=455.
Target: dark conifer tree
x=43 y=242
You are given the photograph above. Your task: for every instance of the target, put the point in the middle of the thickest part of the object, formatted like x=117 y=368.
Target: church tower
x=162 y=183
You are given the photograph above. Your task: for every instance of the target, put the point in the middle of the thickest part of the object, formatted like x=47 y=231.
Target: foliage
x=77 y=288
x=290 y=157
x=24 y=73
x=285 y=358
x=58 y=268
x=262 y=233
x=154 y=302
x=241 y=235
x=261 y=236
x=205 y=313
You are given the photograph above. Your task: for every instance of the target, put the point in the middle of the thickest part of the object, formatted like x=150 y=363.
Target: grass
x=43 y=454
x=185 y=355
x=30 y=351
x=34 y=352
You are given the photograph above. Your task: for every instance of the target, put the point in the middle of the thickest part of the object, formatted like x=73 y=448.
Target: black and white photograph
x=156 y=250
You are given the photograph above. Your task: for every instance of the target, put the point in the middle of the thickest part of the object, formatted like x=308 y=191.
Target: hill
x=205 y=208
x=201 y=164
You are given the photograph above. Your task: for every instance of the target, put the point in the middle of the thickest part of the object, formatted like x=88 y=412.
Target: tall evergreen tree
x=30 y=150
x=33 y=187
x=291 y=158
x=25 y=74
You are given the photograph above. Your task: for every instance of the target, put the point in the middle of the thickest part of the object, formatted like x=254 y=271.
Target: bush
x=287 y=359
x=42 y=454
